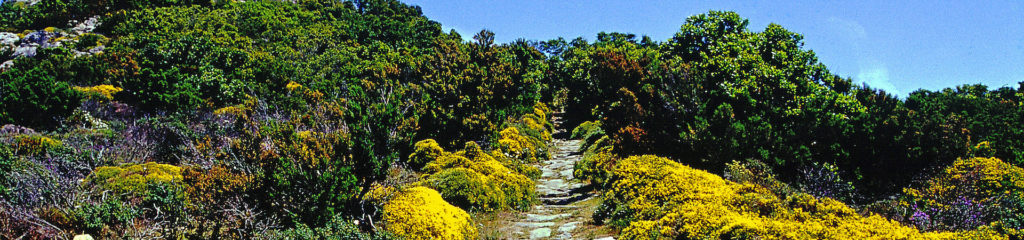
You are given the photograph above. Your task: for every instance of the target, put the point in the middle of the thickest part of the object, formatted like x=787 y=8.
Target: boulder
x=7 y=38
x=25 y=51
x=86 y=26
x=38 y=38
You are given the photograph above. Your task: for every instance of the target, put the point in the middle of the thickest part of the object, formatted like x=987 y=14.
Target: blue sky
x=899 y=46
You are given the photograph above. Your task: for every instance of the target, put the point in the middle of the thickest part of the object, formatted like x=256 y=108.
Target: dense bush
x=475 y=180
x=420 y=213
x=6 y=164
x=718 y=91
x=970 y=193
x=597 y=162
x=18 y=15
x=34 y=95
x=472 y=91
x=135 y=179
x=337 y=229
x=654 y=197
x=526 y=140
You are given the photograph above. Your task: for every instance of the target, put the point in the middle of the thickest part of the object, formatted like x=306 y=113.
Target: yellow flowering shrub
x=309 y=94
x=527 y=140
x=587 y=130
x=99 y=92
x=213 y=186
x=473 y=179
x=421 y=213
x=135 y=178
x=230 y=110
x=656 y=198
x=425 y=151
x=970 y=193
x=979 y=176
x=515 y=145
x=597 y=162
x=35 y=144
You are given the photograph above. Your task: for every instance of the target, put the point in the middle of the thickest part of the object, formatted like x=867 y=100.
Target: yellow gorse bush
x=425 y=151
x=35 y=144
x=99 y=92
x=135 y=178
x=983 y=176
x=421 y=213
x=527 y=140
x=667 y=200
x=983 y=181
x=471 y=178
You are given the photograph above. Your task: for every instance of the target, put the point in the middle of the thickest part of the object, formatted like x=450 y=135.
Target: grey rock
x=97 y=49
x=7 y=38
x=87 y=26
x=606 y=238
x=545 y=218
x=568 y=227
x=547 y=173
x=29 y=2
x=25 y=51
x=537 y=225
x=567 y=173
x=5 y=65
x=38 y=38
x=540 y=233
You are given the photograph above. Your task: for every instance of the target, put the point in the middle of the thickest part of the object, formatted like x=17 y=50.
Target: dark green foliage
x=37 y=92
x=718 y=92
x=109 y=212
x=338 y=228
x=89 y=40
x=6 y=166
x=978 y=114
x=18 y=15
x=473 y=88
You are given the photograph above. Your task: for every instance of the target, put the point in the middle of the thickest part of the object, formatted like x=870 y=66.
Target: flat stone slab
x=540 y=233
x=545 y=218
x=568 y=227
x=537 y=224
x=567 y=173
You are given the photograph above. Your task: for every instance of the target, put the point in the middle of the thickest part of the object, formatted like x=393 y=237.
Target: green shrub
x=34 y=96
x=96 y=218
x=468 y=189
x=597 y=162
x=424 y=152
x=587 y=129
x=90 y=40
x=7 y=159
x=136 y=179
x=339 y=228
x=473 y=179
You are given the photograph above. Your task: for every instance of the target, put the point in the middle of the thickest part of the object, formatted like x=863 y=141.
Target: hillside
x=329 y=119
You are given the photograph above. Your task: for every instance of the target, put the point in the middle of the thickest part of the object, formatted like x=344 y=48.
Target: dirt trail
x=566 y=204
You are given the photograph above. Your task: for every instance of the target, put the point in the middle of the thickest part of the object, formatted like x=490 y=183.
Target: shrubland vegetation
x=756 y=107
x=362 y=119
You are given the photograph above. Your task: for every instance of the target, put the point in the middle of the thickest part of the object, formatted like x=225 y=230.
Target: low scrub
x=473 y=179
x=656 y=198
x=421 y=213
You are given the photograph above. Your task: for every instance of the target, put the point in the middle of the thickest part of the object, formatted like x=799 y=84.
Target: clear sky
x=899 y=46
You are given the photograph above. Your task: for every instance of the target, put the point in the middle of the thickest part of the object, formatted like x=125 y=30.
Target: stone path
x=560 y=213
